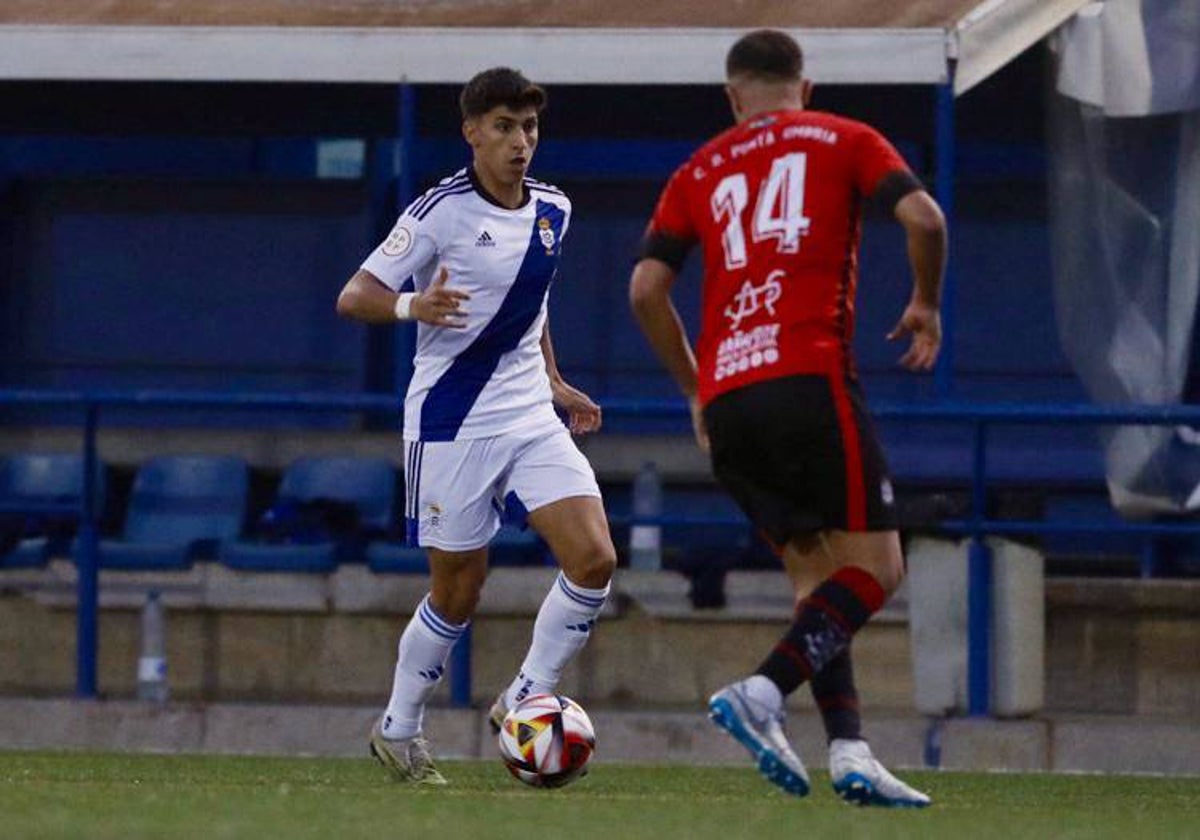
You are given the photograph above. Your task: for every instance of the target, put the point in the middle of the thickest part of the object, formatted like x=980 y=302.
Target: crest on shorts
x=433 y=517
x=546 y=234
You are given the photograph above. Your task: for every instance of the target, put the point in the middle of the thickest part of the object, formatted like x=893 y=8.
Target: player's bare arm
x=583 y=415
x=366 y=298
x=650 y=297
x=925 y=227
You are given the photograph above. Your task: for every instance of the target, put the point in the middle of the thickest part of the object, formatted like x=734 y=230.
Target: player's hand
x=583 y=415
x=698 y=428
x=924 y=324
x=440 y=306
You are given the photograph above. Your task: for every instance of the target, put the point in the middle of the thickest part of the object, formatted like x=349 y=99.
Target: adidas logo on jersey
x=485 y=241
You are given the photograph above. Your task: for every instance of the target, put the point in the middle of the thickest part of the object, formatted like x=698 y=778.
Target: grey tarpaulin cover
x=1125 y=138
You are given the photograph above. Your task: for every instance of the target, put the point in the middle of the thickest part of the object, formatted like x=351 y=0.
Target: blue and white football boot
x=860 y=779
x=759 y=728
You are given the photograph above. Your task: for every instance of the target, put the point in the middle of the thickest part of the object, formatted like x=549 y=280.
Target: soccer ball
x=547 y=740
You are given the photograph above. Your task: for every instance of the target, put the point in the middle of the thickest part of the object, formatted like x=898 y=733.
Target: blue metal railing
x=980 y=417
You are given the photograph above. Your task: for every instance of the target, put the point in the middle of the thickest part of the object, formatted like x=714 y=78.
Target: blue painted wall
x=180 y=236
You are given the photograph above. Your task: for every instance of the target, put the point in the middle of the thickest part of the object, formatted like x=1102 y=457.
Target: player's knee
x=898 y=572
x=456 y=606
x=889 y=572
x=462 y=602
x=593 y=566
x=471 y=587
x=877 y=553
x=455 y=596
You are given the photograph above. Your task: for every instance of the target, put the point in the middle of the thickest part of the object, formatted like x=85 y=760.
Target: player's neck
x=754 y=110
x=511 y=196
x=752 y=98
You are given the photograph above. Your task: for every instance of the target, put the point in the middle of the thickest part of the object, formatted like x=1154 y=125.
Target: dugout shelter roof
x=553 y=41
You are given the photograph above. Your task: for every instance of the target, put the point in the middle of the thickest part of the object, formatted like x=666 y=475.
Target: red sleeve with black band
x=659 y=245
x=893 y=187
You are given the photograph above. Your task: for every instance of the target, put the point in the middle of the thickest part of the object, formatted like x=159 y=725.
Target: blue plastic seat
x=367 y=483
x=178 y=506
x=314 y=558
x=365 y=486
x=396 y=558
x=40 y=499
x=513 y=546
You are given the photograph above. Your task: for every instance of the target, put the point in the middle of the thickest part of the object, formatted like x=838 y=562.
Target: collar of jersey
x=491 y=199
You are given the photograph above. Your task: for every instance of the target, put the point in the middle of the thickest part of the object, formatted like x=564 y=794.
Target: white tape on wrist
x=404 y=306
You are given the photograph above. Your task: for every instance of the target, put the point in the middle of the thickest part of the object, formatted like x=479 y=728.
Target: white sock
x=562 y=628
x=761 y=690
x=424 y=648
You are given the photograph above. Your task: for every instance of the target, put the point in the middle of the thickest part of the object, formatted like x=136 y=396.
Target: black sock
x=825 y=623
x=833 y=689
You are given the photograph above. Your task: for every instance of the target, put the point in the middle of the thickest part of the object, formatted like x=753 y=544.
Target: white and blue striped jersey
x=488 y=378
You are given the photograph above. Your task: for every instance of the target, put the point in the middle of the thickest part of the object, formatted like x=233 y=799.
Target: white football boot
x=406 y=759
x=860 y=779
x=759 y=729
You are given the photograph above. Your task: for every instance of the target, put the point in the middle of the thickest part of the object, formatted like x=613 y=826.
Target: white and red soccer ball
x=547 y=741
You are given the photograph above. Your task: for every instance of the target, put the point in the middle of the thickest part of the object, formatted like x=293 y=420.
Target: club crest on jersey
x=546 y=234
x=399 y=242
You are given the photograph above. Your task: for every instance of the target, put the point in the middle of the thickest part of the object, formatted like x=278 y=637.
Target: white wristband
x=403 y=306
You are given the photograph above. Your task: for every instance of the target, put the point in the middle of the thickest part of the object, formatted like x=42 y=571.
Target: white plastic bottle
x=645 y=540
x=152 y=663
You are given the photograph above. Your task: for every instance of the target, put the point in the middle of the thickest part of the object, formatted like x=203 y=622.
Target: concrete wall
x=1113 y=646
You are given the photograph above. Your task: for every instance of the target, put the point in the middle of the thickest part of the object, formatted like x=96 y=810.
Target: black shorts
x=799 y=455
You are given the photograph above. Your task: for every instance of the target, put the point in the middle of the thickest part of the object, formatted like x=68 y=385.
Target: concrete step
x=1114 y=744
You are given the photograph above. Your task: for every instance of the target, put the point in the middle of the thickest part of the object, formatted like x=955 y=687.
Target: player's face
x=503 y=140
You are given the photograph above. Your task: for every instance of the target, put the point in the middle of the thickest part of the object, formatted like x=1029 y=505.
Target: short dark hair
x=499 y=86
x=765 y=54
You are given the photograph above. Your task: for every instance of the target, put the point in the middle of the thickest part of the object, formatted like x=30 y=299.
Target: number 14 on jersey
x=778 y=212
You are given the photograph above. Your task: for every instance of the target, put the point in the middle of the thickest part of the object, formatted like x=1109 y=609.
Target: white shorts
x=456 y=491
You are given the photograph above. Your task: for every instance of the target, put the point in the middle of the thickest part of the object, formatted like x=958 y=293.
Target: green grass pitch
x=89 y=795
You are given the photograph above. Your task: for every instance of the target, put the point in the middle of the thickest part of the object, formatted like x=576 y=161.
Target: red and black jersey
x=775 y=203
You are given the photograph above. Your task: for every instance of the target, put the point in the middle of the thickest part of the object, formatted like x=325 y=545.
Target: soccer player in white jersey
x=483 y=247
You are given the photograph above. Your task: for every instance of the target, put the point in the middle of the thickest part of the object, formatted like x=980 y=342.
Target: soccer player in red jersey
x=774 y=204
